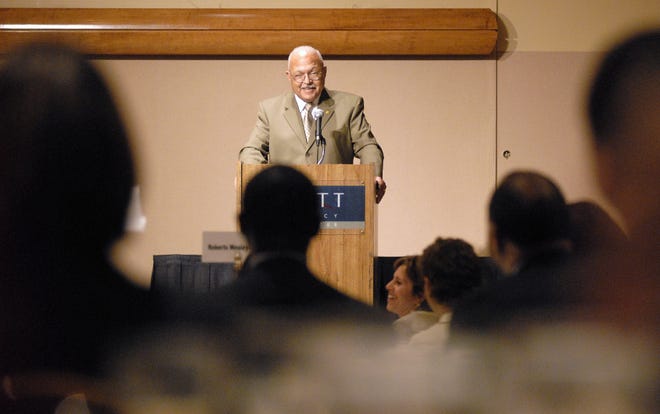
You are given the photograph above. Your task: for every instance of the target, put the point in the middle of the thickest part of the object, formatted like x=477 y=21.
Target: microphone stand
x=320 y=141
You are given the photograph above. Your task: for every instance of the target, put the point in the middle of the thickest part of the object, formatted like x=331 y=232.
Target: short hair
x=453 y=269
x=66 y=169
x=410 y=262
x=528 y=209
x=280 y=209
x=630 y=67
x=307 y=49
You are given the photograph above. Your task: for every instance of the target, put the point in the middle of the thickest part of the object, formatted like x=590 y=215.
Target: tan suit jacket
x=279 y=138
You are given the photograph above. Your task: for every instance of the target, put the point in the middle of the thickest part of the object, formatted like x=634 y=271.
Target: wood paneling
x=255 y=32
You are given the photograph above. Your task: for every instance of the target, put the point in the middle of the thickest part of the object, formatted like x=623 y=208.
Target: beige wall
x=548 y=50
x=571 y=25
x=443 y=123
x=435 y=120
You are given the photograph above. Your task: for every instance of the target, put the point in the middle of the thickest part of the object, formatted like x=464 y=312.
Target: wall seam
x=497 y=100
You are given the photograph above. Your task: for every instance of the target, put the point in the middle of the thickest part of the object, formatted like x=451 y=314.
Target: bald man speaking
x=286 y=128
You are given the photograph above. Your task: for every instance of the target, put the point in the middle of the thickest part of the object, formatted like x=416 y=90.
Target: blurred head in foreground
x=280 y=211
x=66 y=175
x=66 y=171
x=527 y=216
x=625 y=124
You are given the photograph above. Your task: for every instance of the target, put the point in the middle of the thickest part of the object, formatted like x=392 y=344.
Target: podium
x=342 y=254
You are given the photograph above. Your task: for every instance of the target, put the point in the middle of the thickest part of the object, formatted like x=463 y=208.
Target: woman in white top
x=405 y=298
x=450 y=270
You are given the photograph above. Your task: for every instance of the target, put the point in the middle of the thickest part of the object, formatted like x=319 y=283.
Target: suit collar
x=327 y=103
x=292 y=115
x=325 y=100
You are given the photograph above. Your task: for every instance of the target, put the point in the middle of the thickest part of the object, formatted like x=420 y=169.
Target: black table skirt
x=184 y=273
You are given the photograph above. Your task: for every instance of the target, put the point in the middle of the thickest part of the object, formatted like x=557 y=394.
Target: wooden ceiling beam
x=255 y=32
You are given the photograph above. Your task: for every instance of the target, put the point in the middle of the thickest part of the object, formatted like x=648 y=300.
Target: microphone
x=317 y=114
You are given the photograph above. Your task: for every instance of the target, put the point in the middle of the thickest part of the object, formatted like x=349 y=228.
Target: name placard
x=223 y=247
x=342 y=206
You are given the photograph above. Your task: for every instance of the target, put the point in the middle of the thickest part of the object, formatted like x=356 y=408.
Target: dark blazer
x=279 y=138
x=283 y=282
x=542 y=289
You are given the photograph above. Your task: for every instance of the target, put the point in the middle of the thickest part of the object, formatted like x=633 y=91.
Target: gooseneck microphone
x=317 y=114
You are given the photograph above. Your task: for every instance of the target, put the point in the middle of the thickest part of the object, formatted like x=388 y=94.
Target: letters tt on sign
x=342 y=206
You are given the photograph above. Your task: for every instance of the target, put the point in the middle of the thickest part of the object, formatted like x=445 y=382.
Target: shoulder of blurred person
x=625 y=131
x=593 y=230
x=537 y=293
x=530 y=242
x=66 y=177
x=279 y=216
x=416 y=321
x=283 y=283
x=434 y=337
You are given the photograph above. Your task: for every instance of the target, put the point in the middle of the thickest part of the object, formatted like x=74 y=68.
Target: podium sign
x=342 y=207
x=342 y=254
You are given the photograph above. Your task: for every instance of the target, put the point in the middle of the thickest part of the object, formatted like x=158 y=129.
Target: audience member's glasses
x=313 y=76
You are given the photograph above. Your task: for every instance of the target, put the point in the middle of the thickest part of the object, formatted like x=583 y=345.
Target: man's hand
x=380 y=189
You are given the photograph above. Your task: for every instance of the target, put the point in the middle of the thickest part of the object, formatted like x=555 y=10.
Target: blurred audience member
x=451 y=269
x=276 y=295
x=593 y=327
x=529 y=230
x=594 y=231
x=66 y=176
x=528 y=222
x=492 y=271
x=405 y=298
x=276 y=302
x=188 y=369
x=279 y=216
x=625 y=122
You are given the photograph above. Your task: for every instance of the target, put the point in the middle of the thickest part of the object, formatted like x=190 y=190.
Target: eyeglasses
x=313 y=76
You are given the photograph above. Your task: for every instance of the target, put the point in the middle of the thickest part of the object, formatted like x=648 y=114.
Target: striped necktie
x=307 y=120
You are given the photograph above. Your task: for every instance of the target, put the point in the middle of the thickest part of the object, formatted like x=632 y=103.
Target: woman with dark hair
x=451 y=270
x=405 y=298
x=66 y=176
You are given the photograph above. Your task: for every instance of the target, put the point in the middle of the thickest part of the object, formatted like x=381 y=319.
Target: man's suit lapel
x=328 y=105
x=292 y=116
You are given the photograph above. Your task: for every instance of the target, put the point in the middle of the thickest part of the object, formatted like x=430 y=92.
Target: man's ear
x=510 y=256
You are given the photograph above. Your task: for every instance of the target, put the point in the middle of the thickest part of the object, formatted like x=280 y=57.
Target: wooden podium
x=342 y=254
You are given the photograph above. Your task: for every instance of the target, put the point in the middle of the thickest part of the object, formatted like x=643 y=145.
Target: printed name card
x=223 y=247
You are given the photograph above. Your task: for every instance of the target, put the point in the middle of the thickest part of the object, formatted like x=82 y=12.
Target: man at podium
x=313 y=125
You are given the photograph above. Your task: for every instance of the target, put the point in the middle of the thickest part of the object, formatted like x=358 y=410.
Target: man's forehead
x=306 y=61
x=302 y=68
